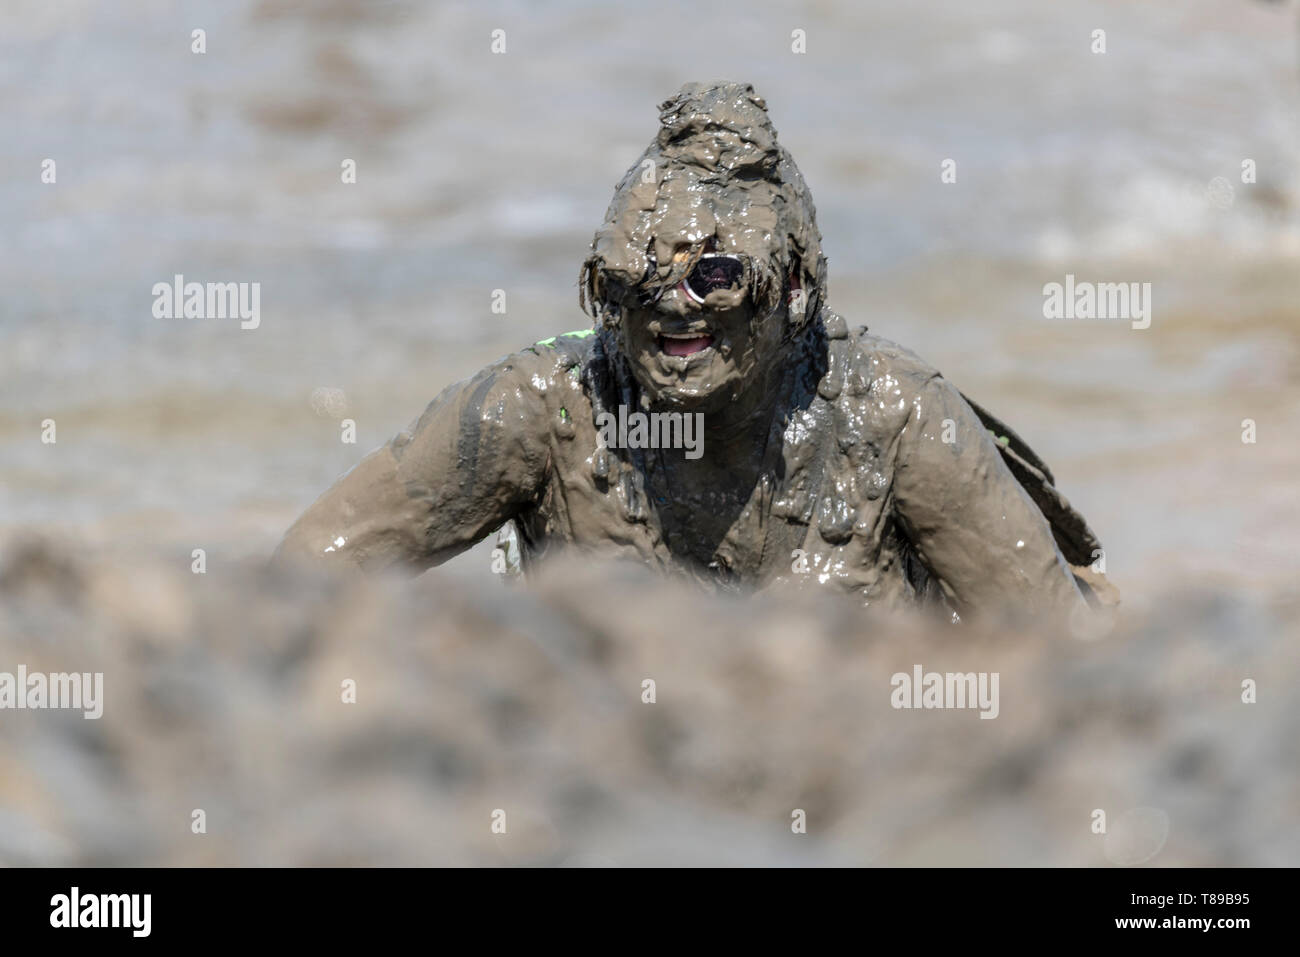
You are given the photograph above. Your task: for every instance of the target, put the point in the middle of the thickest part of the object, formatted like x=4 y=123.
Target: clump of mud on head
x=714 y=180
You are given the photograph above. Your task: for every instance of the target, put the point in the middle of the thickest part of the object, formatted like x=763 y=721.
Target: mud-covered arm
x=475 y=458
x=972 y=523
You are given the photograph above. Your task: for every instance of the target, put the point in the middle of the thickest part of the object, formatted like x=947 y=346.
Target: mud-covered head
x=709 y=257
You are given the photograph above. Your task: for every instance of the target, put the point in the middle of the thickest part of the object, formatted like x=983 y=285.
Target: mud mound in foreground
x=223 y=692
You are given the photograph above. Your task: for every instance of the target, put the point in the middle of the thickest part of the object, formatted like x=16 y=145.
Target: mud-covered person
x=825 y=455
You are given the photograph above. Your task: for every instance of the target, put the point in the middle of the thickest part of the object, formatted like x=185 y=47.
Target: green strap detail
x=580 y=334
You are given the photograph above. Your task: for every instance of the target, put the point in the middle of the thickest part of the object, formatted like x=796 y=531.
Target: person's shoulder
x=543 y=360
x=863 y=363
x=873 y=385
x=546 y=377
x=527 y=385
x=879 y=358
x=569 y=349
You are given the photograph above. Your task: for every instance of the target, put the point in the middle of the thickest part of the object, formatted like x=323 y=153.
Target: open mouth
x=684 y=345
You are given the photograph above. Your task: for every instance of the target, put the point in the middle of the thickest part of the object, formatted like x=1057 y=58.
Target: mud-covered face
x=713 y=182
x=699 y=354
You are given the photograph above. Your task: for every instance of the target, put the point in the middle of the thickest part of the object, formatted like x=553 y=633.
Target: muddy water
x=180 y=434
x=228 y=698
x=177 y=434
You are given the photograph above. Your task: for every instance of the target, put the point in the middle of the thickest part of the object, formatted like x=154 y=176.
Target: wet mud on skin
x=831 y=457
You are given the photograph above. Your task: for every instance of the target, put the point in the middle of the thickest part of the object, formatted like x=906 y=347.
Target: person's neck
x=737 y=431
x=748 y=416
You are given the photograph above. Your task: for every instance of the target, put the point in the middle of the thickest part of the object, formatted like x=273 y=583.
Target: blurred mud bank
x=224 y=693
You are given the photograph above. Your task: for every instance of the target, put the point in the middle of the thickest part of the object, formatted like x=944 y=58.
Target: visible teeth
x=684 y=335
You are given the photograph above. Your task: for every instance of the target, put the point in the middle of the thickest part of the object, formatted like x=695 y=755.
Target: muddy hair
x=715 y=178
